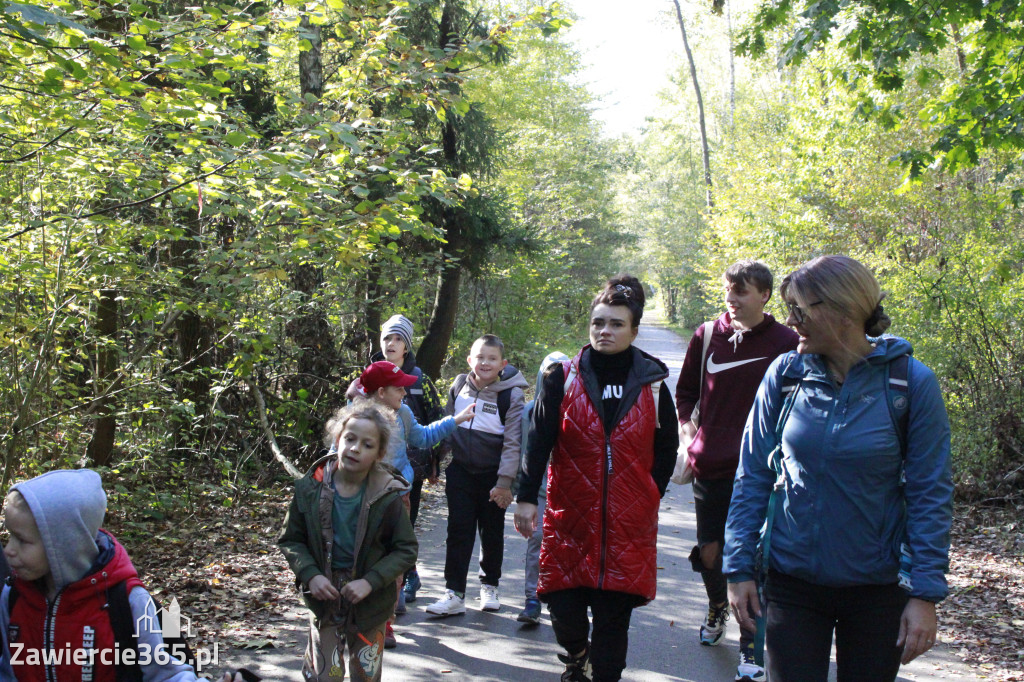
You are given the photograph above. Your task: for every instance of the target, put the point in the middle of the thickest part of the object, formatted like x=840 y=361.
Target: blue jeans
x=533 y=543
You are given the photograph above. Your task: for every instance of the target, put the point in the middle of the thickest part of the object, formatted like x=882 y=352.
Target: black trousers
x=415 y=492
x=470 y=511
x=802 y=617
x=711 y=503
x=610 y=640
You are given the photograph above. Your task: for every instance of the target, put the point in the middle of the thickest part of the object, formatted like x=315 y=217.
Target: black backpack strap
x=120 y=611
x=504 y=401
x=898 y=397
x=12 y=596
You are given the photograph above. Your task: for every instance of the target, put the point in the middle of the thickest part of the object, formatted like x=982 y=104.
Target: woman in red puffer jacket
x=607 y=422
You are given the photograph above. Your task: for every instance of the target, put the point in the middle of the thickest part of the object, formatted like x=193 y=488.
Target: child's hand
x=466 y=414
x=501 y=497
x=356 y=591
x=321 y=588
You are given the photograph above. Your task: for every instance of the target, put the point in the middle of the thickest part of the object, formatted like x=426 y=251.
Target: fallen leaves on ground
x=982 y=620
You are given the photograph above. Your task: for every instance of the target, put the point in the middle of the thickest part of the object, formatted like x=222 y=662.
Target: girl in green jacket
x=348 y=538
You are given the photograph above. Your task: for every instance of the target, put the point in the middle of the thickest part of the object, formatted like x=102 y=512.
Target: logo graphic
x=169 y=623
x=489 y=408
x=714 y=368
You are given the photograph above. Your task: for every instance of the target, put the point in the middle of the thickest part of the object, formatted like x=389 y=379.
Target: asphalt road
x=494 y=647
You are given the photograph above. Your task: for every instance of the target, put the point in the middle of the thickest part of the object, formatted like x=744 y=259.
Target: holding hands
x=501 y=497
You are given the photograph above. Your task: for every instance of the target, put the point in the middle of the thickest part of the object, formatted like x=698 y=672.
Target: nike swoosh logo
x=714 y=368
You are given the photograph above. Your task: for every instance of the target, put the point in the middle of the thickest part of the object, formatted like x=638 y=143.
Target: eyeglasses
x=798 y=313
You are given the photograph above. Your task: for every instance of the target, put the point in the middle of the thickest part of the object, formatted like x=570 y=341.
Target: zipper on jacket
x=604 y=511
x=50 y=634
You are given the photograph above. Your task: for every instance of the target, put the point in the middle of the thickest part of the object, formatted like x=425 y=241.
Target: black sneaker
x=577 y=669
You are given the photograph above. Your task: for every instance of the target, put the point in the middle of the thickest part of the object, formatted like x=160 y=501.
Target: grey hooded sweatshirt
x=483 y=443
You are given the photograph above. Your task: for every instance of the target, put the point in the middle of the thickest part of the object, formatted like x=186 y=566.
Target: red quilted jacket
x=601 y=522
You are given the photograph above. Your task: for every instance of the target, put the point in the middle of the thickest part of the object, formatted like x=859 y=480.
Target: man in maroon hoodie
x=744 y=341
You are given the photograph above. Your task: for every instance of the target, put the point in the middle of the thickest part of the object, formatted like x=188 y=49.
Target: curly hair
x=361 y=408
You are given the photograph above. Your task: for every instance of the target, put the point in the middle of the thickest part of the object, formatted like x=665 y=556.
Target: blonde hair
x=843 y=284
x=361 y=408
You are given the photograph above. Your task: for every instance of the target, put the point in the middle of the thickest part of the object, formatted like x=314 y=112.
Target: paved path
x=494 y=647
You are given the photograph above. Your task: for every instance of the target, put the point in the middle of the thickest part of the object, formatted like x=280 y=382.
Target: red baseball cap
x=383 y=373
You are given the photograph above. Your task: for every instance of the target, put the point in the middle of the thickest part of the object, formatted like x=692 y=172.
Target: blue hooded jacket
x=844 y=512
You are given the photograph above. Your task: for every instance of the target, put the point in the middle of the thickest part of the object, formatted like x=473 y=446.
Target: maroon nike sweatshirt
x=735 y=364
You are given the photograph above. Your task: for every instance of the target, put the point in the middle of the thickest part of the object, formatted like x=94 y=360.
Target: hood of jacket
x=886 y=349
x=381 y=479
x=68 y=506
x=646 y=369
x=510 y=377
x=556 y=357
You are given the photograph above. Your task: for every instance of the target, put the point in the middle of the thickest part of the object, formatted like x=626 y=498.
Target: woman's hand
x=466 y=414
x=321 y=588
x=525 y=519
x=356 y=591
x=501 y=497
x=746 y=605
x=917 y=629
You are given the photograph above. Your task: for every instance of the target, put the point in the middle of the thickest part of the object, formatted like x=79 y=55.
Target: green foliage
x=967 y=52
x=947 y=250
x=168 y=154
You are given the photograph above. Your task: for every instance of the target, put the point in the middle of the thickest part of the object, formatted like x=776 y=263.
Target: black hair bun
x=627 y=286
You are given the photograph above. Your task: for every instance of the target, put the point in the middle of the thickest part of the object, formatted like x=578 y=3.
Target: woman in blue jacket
x=844 y=510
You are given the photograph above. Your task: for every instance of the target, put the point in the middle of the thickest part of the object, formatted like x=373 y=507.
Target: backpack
x=123 y=626
x=504 y=397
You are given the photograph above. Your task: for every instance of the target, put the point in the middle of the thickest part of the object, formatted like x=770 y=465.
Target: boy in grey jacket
x=478 y=482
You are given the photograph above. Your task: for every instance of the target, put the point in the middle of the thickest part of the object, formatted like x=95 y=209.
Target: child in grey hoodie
x=478 y=482
x=62 y=565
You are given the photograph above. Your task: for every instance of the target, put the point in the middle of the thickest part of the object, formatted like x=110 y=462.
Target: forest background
x=207 y=210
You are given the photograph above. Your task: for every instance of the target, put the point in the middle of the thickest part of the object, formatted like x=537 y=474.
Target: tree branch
x=269 y=433
x=140 y=202
x=28 y=156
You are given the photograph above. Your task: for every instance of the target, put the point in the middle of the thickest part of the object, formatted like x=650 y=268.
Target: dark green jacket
x=385 y=542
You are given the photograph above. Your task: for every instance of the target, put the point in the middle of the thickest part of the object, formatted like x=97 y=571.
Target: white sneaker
x=450 y=604
x=489 y=597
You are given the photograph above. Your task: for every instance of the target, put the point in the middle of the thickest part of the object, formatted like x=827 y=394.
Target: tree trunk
x=732 y=68
x=311 y=68
x=700 y=106
x=193 y=335
x=310 y=330
x=374 y=308
x=434 y=348
x=101 y=446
